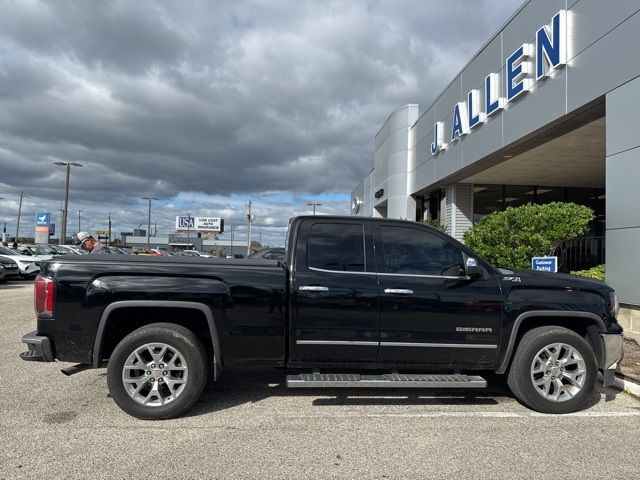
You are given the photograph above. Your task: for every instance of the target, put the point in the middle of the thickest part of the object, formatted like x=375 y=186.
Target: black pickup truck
x=357 y=302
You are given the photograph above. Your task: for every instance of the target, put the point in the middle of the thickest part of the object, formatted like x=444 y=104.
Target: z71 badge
x=512 y=279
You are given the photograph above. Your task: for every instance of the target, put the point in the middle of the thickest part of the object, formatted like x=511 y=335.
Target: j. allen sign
x=548 y=53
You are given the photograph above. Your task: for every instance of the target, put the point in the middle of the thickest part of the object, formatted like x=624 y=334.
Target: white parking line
x=459 y=415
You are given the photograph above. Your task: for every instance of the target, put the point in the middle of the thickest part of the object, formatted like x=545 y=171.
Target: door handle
x=312 y=288
x=399 y=291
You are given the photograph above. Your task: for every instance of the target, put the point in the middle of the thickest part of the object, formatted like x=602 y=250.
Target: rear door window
x=337 y=247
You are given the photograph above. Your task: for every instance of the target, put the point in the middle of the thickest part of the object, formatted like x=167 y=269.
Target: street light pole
x=250 y=220
x=65 y=212
x=149 y=220
x=232 y=242
x=188 y=230
x=19 y=213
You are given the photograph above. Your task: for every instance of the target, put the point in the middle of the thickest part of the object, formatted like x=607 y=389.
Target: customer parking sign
x=545 y=264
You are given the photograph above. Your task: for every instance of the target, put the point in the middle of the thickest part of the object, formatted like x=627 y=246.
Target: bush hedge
x=596 y=272
x=511 y=237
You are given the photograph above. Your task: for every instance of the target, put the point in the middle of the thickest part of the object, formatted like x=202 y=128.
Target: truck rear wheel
x=157 y=371
x=553 y=371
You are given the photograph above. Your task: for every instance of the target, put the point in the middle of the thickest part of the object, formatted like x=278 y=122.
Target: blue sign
x=545 y=264
x=186 y=222
x=52 y=229
x=42 y=219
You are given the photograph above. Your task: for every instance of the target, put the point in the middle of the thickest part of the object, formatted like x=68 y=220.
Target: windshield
x=7 y=251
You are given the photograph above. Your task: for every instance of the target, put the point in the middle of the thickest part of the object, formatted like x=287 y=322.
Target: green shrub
x=596 y=272
x=510 y=238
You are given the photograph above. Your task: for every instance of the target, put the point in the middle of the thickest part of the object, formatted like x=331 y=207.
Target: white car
x=196 y=253
x=29 y=266
x=41 y=252
x=75 y=249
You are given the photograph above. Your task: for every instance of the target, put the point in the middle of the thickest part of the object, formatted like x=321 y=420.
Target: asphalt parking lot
x=249 y=425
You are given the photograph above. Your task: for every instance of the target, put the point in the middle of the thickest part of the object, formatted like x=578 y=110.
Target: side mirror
x=472 y=269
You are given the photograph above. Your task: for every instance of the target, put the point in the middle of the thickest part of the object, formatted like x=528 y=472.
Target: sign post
x=545 y=264
x=199 y=224
x=42 y=227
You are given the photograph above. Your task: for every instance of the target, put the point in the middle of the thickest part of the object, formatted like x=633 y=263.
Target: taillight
x=44 y=294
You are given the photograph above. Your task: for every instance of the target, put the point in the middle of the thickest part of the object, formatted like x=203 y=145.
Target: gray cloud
x=215 y=98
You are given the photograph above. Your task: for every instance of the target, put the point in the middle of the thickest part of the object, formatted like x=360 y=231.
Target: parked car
x=76 y=248
x=196 y=253
x=10 y=269
x=37 y=251
x=127 y=250
x=268 y=254
x=28 y=266
x=62 y=250
x=388 y=303
x=115 y=250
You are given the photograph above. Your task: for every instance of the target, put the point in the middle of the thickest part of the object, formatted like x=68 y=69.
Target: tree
x=510 y=238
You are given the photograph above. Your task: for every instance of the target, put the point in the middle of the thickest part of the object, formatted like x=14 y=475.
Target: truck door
x=430 y=312
x=335 y=302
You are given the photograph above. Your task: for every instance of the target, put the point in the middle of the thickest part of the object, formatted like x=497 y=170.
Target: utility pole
x=250 y=220
x=65 y=212
x=21 y=195
x=232 y=241
x=314 y=206
x=79 y=229
x=149 y=220
x=4 y=230
x=109 y=238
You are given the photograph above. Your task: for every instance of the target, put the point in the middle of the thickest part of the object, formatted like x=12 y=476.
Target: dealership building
x=545 y=111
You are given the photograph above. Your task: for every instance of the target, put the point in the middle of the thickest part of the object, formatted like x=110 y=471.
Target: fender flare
x=205 y=309
x=543 y=313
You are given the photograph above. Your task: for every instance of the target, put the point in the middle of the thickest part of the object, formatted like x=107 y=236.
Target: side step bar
x=391 y=380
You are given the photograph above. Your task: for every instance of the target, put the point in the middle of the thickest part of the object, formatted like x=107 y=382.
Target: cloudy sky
x=207 y=104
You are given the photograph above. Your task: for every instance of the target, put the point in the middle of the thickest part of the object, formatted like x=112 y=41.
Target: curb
x=625 y=385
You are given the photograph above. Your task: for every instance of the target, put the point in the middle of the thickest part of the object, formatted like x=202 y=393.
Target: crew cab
x=357 y=302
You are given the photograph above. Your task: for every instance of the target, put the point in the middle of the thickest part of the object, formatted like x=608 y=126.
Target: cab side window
x=413 y=251
x=337 y=247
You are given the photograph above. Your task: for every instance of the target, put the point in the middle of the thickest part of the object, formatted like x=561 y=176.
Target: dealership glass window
x=495 y=198
x=549 y=194
x=337 y=246
x=415 y=251
x=486 y=199
x=517 y=195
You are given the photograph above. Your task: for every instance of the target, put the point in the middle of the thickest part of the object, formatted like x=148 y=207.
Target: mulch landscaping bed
x=630 y=365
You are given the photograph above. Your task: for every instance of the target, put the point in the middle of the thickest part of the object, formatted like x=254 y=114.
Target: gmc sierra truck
x=357 y=302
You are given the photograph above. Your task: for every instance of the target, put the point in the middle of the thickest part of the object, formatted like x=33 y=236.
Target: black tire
x=177 y=337
x=520 y=377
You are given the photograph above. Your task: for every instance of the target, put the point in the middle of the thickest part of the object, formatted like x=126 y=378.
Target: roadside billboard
x=199 y=224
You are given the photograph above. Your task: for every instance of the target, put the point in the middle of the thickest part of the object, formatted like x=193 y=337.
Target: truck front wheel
x=553 y=370
x=157 y=371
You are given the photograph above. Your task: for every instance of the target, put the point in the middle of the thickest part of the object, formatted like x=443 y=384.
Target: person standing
x=90 y=244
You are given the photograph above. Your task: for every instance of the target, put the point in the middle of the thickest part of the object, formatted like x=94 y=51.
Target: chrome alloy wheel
x=155 y=374
x=558 y=372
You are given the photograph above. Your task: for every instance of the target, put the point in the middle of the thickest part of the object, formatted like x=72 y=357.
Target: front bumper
x=39 y=348
x=613 y=351
x=29 y=270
